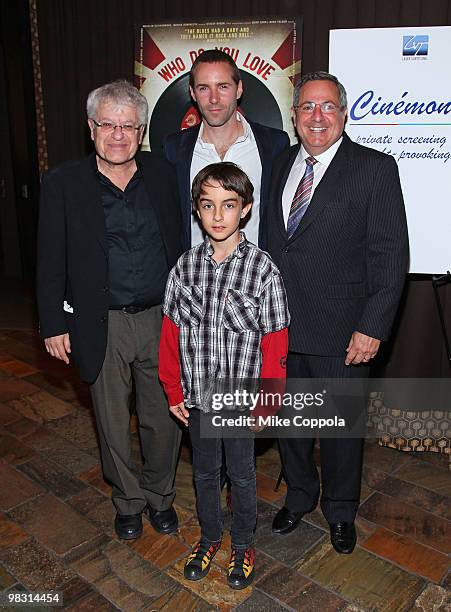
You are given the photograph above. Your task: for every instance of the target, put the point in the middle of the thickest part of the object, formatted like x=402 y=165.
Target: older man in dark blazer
x=109 y=232
x=337 y=231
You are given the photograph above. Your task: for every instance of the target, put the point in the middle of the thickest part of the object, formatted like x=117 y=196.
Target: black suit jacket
x=345 y=266
x=179 y=149
x=72 y=261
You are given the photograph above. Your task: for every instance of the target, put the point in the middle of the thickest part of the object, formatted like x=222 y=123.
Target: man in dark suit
x=223 y=135
x=337 y=231
x=109 y=232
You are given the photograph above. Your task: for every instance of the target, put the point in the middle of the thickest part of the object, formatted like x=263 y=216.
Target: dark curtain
x=85 y=43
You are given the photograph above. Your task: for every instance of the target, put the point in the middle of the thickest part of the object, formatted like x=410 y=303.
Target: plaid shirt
x=222 y=311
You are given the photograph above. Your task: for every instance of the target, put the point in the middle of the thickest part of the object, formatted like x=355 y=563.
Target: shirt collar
x=238 y=252
x=247 y=128
x=246 y=134
x=323 y=158
x=94 y=166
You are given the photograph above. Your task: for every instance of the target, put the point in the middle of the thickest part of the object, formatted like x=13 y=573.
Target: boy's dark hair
x=229 y=176
x=210 y=57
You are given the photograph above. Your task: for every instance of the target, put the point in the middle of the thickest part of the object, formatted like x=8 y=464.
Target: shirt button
x=103 y=320
x=286 y=250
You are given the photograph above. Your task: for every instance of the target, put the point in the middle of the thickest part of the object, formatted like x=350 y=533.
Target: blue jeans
x=207 y=462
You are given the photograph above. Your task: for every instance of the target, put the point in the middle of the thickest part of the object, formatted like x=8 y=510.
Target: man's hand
x=361 y=349
x=58 y=346
x=180 y=412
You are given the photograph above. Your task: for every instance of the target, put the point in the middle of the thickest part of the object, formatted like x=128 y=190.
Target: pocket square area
x=67 y=307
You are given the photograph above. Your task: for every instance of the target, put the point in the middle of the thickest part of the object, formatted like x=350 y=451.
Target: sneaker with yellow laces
x=241 y=568
x=199 y=561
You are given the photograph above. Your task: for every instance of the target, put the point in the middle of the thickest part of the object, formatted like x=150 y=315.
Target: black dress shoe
x=343 y=537
x=163 y=521
x=128 y=526
x=286 y=521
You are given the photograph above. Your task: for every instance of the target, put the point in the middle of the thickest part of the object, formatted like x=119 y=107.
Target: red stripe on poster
x=152 y=56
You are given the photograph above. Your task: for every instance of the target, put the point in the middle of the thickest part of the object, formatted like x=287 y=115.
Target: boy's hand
x=180 y=412
x=255 y=426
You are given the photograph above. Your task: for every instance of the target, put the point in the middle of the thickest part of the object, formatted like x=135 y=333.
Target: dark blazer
x=72 y=261
x=345 y=266
x=179 y=149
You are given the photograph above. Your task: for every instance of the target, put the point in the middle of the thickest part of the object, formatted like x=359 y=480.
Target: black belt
x=131 y=309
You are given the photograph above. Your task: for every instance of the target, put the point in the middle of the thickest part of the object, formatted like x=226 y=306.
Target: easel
x=437 y=282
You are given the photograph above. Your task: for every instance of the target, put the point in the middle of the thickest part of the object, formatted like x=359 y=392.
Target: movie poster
x=267 y=52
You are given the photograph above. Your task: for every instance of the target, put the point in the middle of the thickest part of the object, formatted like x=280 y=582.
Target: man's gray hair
x=320 y=75
x=119 y=92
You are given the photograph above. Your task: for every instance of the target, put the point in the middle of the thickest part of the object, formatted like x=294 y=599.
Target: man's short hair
x=320 y=75
x=213 y=56
x=120 y=92
x=228 y=175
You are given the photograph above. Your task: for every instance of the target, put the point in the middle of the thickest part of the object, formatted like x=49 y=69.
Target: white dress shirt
x=297 y=172
x=244 y=153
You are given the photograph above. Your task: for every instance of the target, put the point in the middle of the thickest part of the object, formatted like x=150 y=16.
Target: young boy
x=225 y=317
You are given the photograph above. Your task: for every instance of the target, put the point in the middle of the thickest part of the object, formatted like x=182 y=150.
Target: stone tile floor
x=56 y=518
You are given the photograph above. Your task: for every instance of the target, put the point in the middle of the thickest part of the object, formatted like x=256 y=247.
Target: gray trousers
x=131 y=359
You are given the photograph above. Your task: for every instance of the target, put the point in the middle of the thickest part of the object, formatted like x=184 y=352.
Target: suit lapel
x=90 y=201
x=327 y=189
x=263 y=143
x=184 y=158
x=151 y=183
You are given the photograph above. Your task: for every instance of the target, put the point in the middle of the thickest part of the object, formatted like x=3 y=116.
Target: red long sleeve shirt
x=274 y=348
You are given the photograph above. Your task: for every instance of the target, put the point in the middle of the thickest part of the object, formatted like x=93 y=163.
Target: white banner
x=399 y=101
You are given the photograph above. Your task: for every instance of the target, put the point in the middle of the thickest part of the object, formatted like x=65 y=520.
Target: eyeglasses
x=328 y=108
x=107 y=126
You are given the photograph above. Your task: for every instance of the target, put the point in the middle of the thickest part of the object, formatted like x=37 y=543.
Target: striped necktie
x=301 y=197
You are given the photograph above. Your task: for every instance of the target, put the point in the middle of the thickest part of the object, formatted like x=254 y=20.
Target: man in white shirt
x=223 y=135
